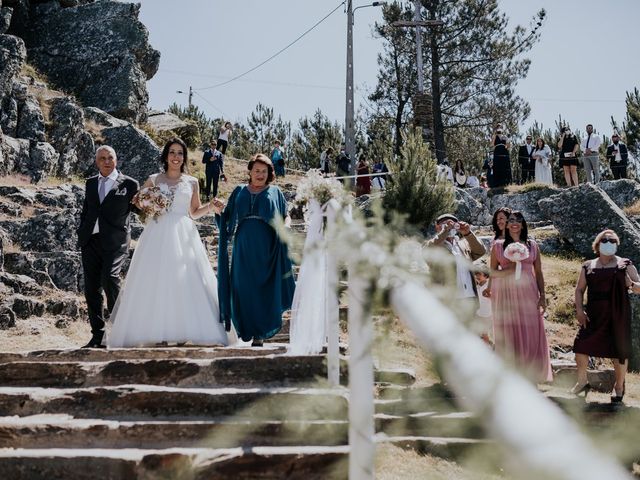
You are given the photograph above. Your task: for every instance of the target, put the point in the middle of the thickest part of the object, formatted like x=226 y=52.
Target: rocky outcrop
x=12 y=56
x=68 y=136
x=580 y=213
x=5 y=19
x=623 y=192
x=138 y=154
x=98 y=51
x=476 y=205
x=526 y=202
x=163 y=121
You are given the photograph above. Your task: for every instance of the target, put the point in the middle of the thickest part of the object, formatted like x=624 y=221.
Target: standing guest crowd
x=535 y=161
x=510 y=301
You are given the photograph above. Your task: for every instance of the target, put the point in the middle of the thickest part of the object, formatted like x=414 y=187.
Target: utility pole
x=190 y=95
x=349 y=128
x=422 y=102
x=416 y=19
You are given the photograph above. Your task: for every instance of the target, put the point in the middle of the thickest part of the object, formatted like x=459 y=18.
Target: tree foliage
x=205 y=130
x=314 y=135
x=413 y=189
x=632 y=122
x=472 y=65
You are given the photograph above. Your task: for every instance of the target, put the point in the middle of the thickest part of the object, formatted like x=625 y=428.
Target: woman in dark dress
x=568 y=147
x=363 y=183
x=605 y=324
x=260 y=285
x=501 y=160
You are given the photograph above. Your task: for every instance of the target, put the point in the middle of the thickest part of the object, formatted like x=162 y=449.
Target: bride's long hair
x=164 y=158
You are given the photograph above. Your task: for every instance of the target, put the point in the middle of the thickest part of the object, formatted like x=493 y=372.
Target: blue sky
x=581 y=68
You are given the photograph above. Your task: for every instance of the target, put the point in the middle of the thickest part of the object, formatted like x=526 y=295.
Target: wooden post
x=361 y=407
x=332 y=315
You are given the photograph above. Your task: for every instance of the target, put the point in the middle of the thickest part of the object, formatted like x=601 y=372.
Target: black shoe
x=94 y=343
x=257 y=343
x=618 y=398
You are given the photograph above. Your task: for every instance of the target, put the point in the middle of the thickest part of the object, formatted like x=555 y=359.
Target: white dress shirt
x=463 y=274
x=110 y=181
x=594 y=143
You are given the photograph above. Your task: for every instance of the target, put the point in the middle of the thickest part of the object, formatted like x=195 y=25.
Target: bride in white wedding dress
x=170 y=293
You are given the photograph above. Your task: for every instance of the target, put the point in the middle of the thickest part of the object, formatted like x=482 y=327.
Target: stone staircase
x=196 y=413
x=208 y=413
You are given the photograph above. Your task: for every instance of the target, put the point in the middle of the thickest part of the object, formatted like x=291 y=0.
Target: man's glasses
x=608 y=240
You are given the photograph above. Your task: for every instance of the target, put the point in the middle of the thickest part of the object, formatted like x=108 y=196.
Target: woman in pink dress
x=518 y=303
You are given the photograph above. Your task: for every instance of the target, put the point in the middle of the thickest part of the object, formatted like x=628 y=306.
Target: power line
x=251 y=80
x=275 y=54
x=202 y=97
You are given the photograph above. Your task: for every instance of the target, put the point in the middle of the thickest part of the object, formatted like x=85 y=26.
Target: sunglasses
x=514 y=220
x=608 y=240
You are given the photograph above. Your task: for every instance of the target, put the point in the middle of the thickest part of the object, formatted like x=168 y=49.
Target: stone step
x=268 y=370
x=63 y=431
x=445 y=447
x=600 y=380
x=433 y=424
x=274 y=370
x=139 y=402
x=316 y=462
x=402 y=407
x=162 y=353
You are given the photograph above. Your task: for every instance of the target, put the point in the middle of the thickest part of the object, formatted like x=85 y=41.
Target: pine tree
x=472 y=66
x=414 y=189
x=632 y=122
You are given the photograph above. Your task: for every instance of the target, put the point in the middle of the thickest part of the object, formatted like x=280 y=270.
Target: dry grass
x=395 y=463
x=632 y=210
x=95 y=130
x=397 y=347
x=41 y=333
x=24 y=181
x=527 y=187
x=560 y=275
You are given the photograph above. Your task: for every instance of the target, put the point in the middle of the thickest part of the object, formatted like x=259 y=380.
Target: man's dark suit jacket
x=213 y=166
x=112 y=214
x=624 y=155
x=526 y=162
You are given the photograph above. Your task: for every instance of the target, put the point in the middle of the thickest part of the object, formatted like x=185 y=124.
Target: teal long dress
x=259 y=287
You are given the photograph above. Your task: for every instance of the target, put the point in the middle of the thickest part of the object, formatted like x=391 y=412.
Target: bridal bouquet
x=154 y=202
x=517 y=252
x=317 y=187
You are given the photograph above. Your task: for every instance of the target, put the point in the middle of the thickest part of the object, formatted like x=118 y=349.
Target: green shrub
x=413 y=189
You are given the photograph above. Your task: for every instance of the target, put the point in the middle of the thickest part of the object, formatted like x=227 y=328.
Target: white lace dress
x=170 y=293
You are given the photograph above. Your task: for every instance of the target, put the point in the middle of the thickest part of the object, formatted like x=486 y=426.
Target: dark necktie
x=588 y=138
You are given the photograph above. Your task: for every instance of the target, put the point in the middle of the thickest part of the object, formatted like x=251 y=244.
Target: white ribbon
x=518 y=269
x=315 y=302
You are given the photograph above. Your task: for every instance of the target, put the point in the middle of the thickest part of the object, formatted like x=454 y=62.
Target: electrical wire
x=275 y=54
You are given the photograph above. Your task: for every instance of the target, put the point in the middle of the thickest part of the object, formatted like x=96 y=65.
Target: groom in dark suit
x=104 y=237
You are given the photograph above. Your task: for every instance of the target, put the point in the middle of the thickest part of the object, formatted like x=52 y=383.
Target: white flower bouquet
x=517 y=252
x=153 y=202
x=317 y=187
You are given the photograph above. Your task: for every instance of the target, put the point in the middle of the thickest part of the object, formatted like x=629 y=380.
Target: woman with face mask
x=605 y=323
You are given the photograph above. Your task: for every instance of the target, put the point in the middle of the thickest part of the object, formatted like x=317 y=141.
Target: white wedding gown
x=170 y=293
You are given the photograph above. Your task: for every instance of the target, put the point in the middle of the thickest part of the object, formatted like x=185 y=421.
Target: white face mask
x=608 y=248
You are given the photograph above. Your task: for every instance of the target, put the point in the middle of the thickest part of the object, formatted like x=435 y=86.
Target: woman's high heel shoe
x=578 y=389
x=618 y=398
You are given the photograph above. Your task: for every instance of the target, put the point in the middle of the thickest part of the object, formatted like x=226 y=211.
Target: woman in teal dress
x=260 y=285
